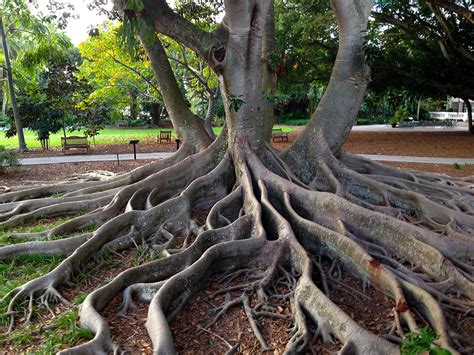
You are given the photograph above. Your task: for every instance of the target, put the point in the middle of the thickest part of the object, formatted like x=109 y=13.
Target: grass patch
x=16 y=272
x=106 y=136
x=62 y=332
x=143 y=254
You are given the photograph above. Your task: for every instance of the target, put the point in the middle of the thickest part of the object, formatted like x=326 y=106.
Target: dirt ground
x=372 y=309
x=429 y=144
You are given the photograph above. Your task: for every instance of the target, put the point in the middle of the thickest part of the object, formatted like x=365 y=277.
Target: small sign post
x=134 y=142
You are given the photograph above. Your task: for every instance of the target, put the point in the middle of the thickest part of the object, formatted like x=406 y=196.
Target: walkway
x=426 y=160
x=161 y=155
x=461 y=127
x=90 y=158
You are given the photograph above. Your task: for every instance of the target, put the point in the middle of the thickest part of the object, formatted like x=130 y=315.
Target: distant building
x=455 y=110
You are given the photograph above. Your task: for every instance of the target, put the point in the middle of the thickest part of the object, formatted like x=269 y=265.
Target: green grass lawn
x=106 y=136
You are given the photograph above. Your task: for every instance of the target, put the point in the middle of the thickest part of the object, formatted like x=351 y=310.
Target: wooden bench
x=165 y=135
x=277 y=133
x=75 y=142
x=121 y=123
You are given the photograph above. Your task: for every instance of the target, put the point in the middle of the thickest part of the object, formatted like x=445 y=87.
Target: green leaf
x=235 y=102
x=134 y=5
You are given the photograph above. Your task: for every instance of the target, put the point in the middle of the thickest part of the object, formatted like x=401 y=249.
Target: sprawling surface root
x=276 y=231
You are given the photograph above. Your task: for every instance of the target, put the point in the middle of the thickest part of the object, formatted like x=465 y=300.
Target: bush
x=300 y=122
x=8 y=158
x=218 y=121
x=421 y=343
x=136 y=123
x=292 y=116
x=362 y=121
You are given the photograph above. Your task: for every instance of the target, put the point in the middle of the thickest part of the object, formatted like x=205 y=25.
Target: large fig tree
x=300 y=216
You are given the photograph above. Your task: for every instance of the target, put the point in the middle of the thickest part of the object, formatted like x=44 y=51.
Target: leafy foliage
x=7 y=158
x=235 y=102
x=417 y=46
x=115 y=74
x=419 y=343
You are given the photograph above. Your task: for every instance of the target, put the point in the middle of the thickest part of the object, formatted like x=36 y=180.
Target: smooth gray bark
x=338 y=108
x=187 y=125
x=211 y=105
x=240 y=70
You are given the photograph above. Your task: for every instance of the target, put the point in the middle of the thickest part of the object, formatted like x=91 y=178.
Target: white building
x=457 y=110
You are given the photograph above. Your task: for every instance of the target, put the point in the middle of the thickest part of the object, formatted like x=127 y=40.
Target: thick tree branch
x=453 y=7
x=187 y=125
x=168 y=22
x=335 y=115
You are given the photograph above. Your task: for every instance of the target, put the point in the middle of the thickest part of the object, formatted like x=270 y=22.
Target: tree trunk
x=240 y=70
x=187 y=125
x=418 y=108
x=16 y=114
x=336 y=113
x=269 y=76
x=133 y=105
x=470 y=128
x=211 y=103
x=4 y=103
x=155 y=112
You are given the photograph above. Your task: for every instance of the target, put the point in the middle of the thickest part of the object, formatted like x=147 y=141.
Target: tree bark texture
x=187 y=125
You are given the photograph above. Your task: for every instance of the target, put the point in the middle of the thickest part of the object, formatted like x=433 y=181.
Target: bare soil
x=418 y=144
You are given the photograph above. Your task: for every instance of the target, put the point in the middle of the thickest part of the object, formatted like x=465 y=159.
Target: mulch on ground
x=419 y=144
x=430 y=144
x=374 y=314
x=92 y=276
x=40 y=174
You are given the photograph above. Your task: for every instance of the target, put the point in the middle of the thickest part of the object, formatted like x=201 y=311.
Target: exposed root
x=277 y=239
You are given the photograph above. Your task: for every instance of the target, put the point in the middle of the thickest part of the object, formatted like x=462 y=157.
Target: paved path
x=90 y=158
x=161 y=155
x=461 y=127
x=428 y=160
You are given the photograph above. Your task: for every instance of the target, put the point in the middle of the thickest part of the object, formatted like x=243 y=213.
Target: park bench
x=164 y=136
x=121 y=123
x=277 y=133
x=74 y=142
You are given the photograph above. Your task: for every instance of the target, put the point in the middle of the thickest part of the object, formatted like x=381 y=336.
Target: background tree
x=293 y=219
x=32 y=42
x=62 y=85
x=50 y=101
x=121 y=77
x=423 y=46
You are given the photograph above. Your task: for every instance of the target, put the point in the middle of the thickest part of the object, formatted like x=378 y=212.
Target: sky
x=77 y=28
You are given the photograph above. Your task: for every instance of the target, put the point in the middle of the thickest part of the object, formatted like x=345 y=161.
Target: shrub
x=300 y=122
x=8 y=158
x=136 y=123
x=292 y=116
x=420 y=343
